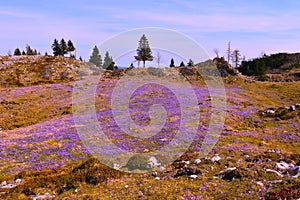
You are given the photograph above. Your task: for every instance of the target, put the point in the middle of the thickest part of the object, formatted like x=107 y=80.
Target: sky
x=254 y=27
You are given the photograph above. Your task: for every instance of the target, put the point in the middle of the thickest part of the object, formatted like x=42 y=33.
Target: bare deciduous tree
x=158 y=58
x=228 y=52
x=216 y=51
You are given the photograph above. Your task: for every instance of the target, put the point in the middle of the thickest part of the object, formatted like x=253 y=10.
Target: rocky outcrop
x=33 y=70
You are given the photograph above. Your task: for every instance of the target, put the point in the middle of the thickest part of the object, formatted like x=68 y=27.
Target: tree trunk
x=144 y=63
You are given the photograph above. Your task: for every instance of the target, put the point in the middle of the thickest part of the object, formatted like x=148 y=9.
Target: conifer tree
x=144 y=52
x=190 y=63
x=63 y=47
x=70 y=47
x=56 y=48
x=29 y=51
x=172 y=63
x=17 y=52
x=107 y=60
x=95 y=58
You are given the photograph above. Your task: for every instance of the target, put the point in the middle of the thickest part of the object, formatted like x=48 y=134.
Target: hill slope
x=277 y=67
x=33 y=70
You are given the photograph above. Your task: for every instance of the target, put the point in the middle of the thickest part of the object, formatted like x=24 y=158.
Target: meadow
x=42 y=156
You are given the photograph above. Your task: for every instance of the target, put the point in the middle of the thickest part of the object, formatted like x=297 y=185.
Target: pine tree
x=260 y=68
x=96 y=57
x=56 y=48
x=190 y=63
x=144 y=51
x=107 y=60
x=29 y=51
x=23 y=53
x=172 y=63
x=182 y=64
x=17 y=52
x=63 y=47
x=70 y=47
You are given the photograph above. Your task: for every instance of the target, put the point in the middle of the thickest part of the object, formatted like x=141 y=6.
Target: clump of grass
x=59 y=181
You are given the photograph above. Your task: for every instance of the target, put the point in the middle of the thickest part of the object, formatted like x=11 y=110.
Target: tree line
x=60 y=48
x=144 y=54
x=274 y=63
x=28 y=51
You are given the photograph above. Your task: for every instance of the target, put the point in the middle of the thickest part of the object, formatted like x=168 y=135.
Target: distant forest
x=275 y=63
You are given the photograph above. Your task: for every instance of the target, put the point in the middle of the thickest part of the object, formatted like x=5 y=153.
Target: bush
x=138 y=162
x=187 y=71
x=155 y=72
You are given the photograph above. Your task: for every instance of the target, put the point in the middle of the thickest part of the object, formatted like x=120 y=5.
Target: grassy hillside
x=42 y=154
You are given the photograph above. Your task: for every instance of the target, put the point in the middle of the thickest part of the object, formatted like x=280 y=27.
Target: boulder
x=229 y=174
x=187 y=171
x=292 y=108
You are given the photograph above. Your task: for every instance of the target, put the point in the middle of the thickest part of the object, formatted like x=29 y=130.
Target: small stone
x=161 y=169
x=8 y=186
x=4 y=183
x=146 y=151
x=193 y=176
x=18 y=181
x=154 y=174
x=163 y=139
x=153 y=162
x=116 y=166
x=273 y=171
x=197 y=161
x=284 y=166
x=270 y=111
x=274 y=151
x=292 y=108
x=216 y=158
x=157 y=178
x=126 y=186
x=187 y=171
x=229 y=174
x=260 y=183
x=187 y=162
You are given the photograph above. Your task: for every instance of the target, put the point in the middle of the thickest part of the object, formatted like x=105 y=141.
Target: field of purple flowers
x=256 y=157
